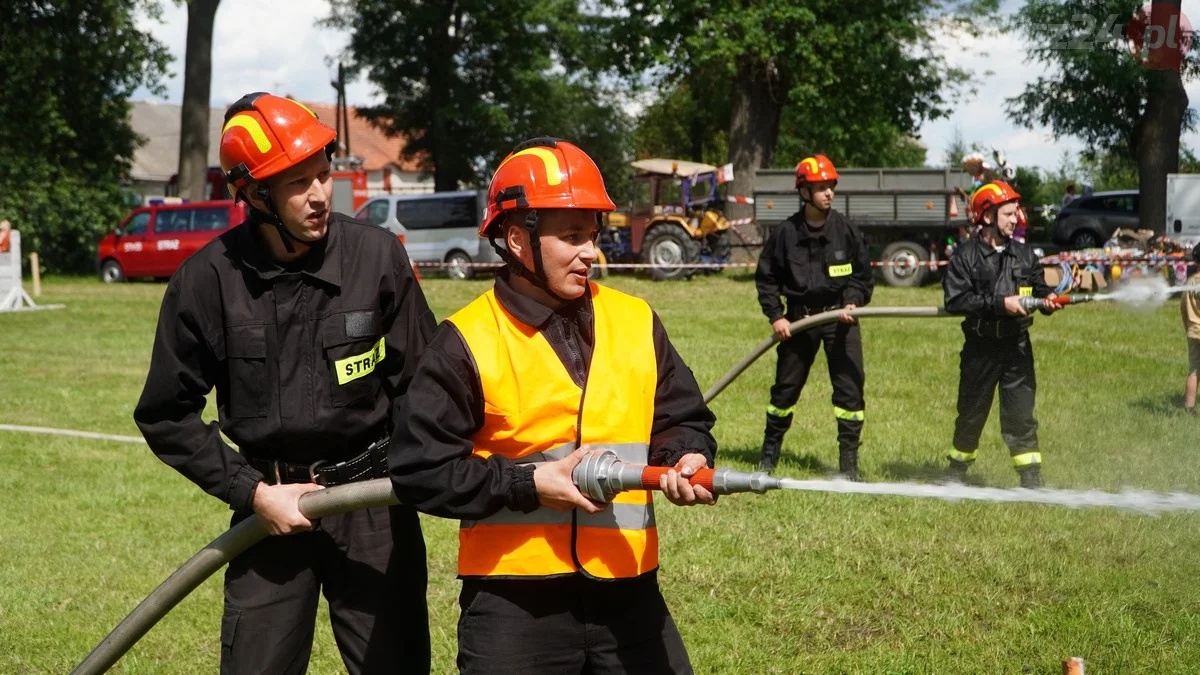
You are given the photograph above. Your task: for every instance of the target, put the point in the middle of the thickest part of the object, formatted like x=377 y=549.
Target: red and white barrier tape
x=932 y=264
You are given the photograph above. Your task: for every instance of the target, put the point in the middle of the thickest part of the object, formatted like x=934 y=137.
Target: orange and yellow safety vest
x=534 y=412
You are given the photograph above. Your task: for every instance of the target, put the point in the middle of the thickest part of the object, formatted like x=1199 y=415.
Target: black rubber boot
x=777 y=426
x=957 y=473
x=1031 y=477
x=848 y=465
x=849 y=433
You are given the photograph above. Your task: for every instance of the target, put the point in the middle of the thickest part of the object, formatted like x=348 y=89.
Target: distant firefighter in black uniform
x=818 y=260
x=987 y=279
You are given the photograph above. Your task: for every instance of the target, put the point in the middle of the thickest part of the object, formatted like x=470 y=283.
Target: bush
x=62 y=219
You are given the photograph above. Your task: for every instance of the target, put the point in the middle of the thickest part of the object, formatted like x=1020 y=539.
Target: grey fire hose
x=216 y=555
x=820 y=320
x=597 y=477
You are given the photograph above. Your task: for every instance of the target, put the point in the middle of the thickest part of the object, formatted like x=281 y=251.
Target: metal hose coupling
x=1030 y=303
x=601 y=475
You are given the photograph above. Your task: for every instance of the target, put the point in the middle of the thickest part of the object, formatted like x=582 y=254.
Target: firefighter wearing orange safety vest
x=985 y=280
x=510 y=394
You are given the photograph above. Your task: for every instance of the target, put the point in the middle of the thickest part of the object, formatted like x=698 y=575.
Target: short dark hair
x=1070 y=187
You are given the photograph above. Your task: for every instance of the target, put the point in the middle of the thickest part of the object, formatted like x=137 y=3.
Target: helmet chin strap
x=271 y=216
x=810 y=201
x=536 y=276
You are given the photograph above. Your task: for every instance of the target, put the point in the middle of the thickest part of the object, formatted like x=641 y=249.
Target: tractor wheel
x=720 y=245
x=666 y=246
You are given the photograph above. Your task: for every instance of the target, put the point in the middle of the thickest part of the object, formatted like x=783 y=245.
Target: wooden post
x=36 y=269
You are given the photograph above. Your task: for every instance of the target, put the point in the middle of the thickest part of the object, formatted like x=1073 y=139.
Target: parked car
x=153 y=241
x=437 y=227
x=1090 y=221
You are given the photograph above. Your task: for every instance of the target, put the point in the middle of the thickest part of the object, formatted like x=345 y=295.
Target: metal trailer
x=911 y=218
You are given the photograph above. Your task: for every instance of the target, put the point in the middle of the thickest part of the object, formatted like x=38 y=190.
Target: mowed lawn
x=784 y=582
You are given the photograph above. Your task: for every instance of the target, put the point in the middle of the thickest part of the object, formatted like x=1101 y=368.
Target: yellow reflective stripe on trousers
x=780 y=412
x=360 y=365
x=843 y=414
x=1027 y=459
x=959 y=456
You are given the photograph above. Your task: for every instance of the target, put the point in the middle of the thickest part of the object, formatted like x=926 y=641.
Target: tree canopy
x=65 y=139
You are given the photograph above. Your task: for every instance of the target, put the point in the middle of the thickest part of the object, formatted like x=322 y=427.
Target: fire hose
x=600 y=476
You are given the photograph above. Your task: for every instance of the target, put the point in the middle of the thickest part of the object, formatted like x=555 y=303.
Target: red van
x=153 y=241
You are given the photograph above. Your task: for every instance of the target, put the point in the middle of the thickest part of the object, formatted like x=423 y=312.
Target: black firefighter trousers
x=568 y=625
x=985 y=363
x=843 y=352
x=370 y=564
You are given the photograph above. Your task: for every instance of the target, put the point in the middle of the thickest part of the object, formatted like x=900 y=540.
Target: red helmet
x=266 y=134
x=815 y=169
x=990 y=195
x=544 y=173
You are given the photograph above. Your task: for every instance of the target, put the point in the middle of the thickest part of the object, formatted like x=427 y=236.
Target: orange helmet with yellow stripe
x=991 y=195
x=815 y=169
x=265 y=134
x=544 y=173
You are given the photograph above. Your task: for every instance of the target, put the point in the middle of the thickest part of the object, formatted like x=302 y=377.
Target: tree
x=1106 y=85
x=958 y=149
x=465 y=80
x=813 y=68
x=197 y=82
x=69 y=68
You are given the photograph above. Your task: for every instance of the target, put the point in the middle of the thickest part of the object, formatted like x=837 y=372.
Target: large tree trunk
x=447 y=169
x=197 y=80
x=753 y=127
x=1158 y=131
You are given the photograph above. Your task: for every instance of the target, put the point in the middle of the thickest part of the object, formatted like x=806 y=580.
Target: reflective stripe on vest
x=532 y=413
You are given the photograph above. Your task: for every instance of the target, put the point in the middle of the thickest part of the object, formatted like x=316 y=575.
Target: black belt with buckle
x=997 y=329
x=370 y=464
x=802 y=312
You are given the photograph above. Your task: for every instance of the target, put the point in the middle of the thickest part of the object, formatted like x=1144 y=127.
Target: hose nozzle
x=1030 y=303
x=601 y=475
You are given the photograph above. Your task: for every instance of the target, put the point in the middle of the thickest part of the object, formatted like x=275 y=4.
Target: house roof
x=375 y=147
x=158 y=124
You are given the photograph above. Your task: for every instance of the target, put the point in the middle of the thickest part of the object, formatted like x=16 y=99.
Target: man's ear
x=257 y=194
x=516 y=238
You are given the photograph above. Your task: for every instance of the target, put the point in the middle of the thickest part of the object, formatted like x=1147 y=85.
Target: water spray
x=602 y=475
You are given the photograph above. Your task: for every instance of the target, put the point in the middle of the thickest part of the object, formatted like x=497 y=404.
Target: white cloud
x=275 y=45
x=981 y=118
x=262 y=45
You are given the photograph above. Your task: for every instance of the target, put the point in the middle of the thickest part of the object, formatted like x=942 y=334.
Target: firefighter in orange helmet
x=513 y=390
x=817 y=260
x=986 y=279
x=307 y=323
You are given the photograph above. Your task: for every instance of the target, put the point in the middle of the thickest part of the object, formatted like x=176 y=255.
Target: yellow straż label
x=1026 y=291
x=353 y=367
x=840 y=270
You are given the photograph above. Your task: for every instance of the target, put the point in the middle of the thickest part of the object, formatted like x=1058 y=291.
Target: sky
x=297 y=57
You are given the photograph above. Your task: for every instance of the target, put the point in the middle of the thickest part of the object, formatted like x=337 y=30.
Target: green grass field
x=780 y=583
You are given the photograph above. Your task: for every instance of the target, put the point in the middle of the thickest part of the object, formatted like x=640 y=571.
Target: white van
x=437 y=227
x=1183 y=207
